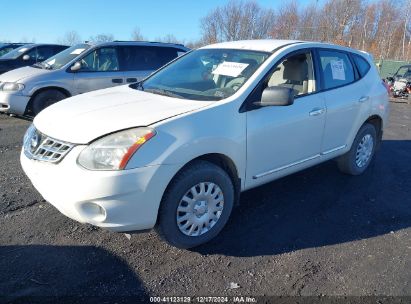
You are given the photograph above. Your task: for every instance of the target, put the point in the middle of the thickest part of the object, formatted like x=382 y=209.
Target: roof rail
x=149 y=42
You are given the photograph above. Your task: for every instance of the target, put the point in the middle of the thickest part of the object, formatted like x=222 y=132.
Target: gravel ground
x=314 y=233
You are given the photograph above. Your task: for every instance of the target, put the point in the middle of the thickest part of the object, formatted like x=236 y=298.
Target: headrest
x=295 y=69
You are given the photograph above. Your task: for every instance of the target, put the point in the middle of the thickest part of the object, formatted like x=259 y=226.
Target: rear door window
x=336 y=69
x=59 y=48
x=141 y=58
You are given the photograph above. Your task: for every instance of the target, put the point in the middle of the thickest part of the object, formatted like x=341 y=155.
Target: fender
x=184 y=138
x=50 y=85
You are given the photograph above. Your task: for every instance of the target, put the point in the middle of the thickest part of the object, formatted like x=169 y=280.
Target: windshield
x=206 y=74
x=403 y=72
x=4 y=49
x=61 y=59
x=14 y=54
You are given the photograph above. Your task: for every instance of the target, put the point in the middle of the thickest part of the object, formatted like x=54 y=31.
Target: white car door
x=283 y=139
x=100 y=69
x=346 y=99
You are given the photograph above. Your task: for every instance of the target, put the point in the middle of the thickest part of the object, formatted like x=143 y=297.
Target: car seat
x=296 y=74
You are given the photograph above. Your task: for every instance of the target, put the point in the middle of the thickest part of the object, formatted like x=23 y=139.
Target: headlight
x=11 y=86
x=28 y=134
x=113 y=151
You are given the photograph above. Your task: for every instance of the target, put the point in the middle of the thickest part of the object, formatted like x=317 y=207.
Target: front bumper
x=13 y=102
x=116 y=200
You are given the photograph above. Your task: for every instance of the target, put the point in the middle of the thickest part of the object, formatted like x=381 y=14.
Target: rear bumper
x=13 y=103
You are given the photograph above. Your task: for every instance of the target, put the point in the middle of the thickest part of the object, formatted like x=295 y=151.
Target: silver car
x=79 y=69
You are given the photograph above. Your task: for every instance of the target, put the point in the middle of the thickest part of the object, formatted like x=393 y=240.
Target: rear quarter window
x=136 y=58
x=362 y=64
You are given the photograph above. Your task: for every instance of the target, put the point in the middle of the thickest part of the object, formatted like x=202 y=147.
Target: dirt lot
x=315 y=233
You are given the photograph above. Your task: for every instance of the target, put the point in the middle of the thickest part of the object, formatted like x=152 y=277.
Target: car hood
x=18 y=75
x=85 y=117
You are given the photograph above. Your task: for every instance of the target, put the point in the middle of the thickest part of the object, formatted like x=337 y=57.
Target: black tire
x=45 y=99
x=347 y=162
x=198 y=172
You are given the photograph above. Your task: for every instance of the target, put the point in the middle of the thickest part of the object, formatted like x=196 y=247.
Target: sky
x=49 y=20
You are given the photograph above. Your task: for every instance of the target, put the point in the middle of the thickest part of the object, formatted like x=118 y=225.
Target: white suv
x=176 y=150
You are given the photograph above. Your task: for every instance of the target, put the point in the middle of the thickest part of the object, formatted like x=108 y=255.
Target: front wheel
x=45 y=99
x=196 y=205
x=362 y=151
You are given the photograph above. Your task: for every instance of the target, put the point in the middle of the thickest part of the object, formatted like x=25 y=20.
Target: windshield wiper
x=38 y=65
x=43 y=65
x=137 y=86
x=164 y=93
x=47 y=66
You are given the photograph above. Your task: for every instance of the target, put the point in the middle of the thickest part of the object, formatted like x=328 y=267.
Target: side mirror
x=26 y=57
x=75 y=67
x=276 y=96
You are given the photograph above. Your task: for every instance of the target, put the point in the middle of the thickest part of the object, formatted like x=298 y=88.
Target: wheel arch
x=39 y=90
x=225 y=163
x=377 y=122
x=220 y=160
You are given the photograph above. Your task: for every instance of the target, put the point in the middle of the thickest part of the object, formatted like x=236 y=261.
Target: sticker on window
x=77 y=52
x=23 y=50
x=337 y=69
x=51 y=62
x=232 y=69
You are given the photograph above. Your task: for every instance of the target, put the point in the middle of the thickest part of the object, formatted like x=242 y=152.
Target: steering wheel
x=207 y=74
x=220 y=92
x=84 y=64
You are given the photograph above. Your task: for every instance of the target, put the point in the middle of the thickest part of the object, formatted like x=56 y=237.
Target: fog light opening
x=93 y=212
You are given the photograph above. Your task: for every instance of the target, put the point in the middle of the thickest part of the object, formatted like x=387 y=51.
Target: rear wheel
x=45 y=99
x=196 y=205
x=362 y=151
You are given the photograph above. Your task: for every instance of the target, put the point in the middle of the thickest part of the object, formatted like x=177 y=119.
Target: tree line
x=381 y=27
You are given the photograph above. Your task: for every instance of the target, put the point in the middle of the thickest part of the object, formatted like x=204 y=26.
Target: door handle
x=363 y=99
x=117 y=80
x=316 y=112
x=131 y=79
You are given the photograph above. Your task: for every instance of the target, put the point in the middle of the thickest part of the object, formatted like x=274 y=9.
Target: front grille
x=44 y=148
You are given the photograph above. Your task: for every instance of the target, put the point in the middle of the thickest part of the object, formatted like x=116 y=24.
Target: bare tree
x=102 y=38
x=169 y=38
x=237 y=20
x=70 y=38
x=308 y=23
x=136 y=35
x=27 y=40
x=407 y=21
x=381 y=27
x=194 y=44
x=286 y=22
